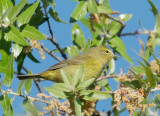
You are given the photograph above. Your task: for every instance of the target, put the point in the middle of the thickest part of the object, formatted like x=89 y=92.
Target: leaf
x=4 y=5
x=28 y=84
x=157 y=16
x=79 y=12
x=16 y=49
x=94 y=95
x=137 y=77
x=20 y=86
x=92 y=6
x=31 y=57
x=111 y=66
x=66 y=77
x=72 y=51
x=13 y=34
x=59 y=90
x=30 y=107
x=16 y=10
x=114 y=28
x=117 y=44
x=79 y=76
x=78 y=36
x=105 y=3
x=144 y=101
x=125 y=17
x=139 y=69
x=20 y=60
x=78 y=107
x=85 y=84
x=31 y=32
x=6 y=105
x=55 y=16
x=104 y=10
x=25 y=16
x=8 y=78
x=149 y=76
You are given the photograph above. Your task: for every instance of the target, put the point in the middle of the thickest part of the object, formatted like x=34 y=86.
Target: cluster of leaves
x=19 y=23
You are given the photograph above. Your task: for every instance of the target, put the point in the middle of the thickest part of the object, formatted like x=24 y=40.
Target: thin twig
x=107 y=76
x=135 y=33
x=52 y=39
x=9 y=91
x=50 y=53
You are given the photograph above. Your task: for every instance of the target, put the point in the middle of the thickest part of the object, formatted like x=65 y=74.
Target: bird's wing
x=73 y=61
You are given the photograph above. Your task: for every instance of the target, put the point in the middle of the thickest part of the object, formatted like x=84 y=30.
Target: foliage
x=19 y=34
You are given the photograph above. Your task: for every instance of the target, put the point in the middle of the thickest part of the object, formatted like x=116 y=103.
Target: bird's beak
x=116 y=56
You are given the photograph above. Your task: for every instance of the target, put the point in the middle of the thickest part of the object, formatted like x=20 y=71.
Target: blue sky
x=62 y=33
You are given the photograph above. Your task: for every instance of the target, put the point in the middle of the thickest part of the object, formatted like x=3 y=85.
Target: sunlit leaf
x=6 y=105
x=25 y=16
x=78 y=107
x=31 y=32
x=72 y=51
x=92 y=6
x=79 y=12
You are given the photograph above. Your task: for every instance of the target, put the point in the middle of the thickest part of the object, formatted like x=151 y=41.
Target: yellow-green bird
x=94 y=60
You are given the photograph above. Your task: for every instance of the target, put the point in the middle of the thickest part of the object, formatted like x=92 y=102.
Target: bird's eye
x=107 y=51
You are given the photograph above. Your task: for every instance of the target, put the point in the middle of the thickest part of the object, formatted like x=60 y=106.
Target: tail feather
x=31 y=76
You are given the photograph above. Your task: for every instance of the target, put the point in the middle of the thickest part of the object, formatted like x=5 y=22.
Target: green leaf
x=87 y=46
x=30 y=107
x=105 y=3
x=13 y=34
x=25 y=16
x=78 y=107
x=28 y=84
x=59 y=90
x=138 y=78
x=125 y=17
x=114 y=28
x=72 y=51
x=144 y=101
x=31 y=32
x=117 y=44
x=85 y=84
x=20 y=86
x=4 y=5
x=104 y=10
x=66 y=77
x=92 y=6
x=157 y=16
x=6 y=105
x=94 y=95
x=139 y=69
x=20 y=60
x=150 y=76
x=30 y=56
x=8 y=78
x=79 y=76
x=78 y=36
x=16 y=49
x=111 y=66
x=79 y=12
x=16 y=10
x=55 y=16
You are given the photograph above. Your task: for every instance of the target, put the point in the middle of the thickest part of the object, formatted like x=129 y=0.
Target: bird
x=94 y=60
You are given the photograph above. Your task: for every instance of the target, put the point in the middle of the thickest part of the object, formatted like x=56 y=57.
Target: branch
x=52 y=39
x=135 y=33
x=106 y=77
x=50 y=53
x=9 y=91
x=111 y=110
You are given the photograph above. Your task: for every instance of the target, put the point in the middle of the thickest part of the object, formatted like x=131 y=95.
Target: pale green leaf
x=79 y=12
x=13 y=34
x=92 y=6
x=78 y=36
x=117 y=44
x=66 y=77
x=78 y=107
x=16 y=10
x=72 y=51
x=25 y=16
x=31 y=32
x=125 y=17
x=149 y=76
x=4 y=5
x=111 y=66
x=85 y=84
x=6 y=105
x=104 y=10
x=28 y=84
x=16 y=49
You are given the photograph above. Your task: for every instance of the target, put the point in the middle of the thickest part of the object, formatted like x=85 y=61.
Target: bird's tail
x=31 y=76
